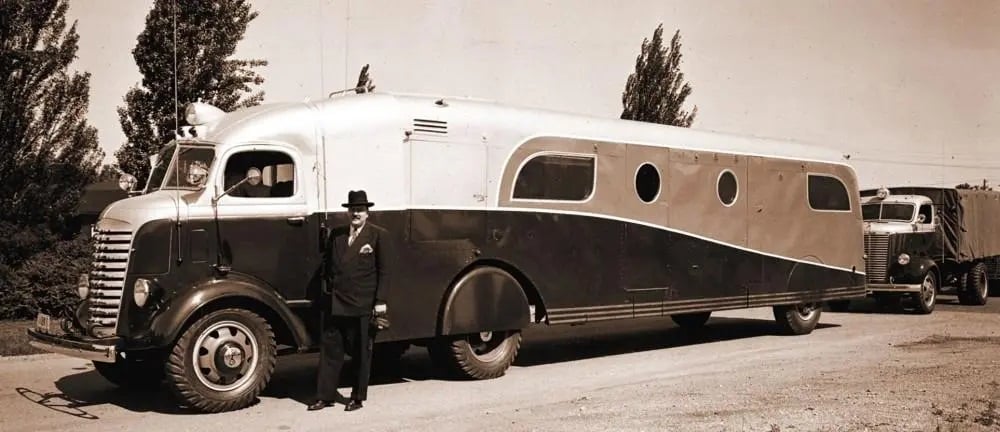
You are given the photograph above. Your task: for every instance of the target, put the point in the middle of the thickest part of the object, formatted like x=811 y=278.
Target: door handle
x=296 y=220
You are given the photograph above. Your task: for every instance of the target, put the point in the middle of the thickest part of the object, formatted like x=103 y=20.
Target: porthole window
x=728 y=188
x=647 y=183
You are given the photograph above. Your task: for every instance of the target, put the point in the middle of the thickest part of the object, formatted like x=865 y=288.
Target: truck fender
x=484 y=299
x=167 y=325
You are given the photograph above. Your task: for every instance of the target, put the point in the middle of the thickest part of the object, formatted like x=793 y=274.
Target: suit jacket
x=358 y=275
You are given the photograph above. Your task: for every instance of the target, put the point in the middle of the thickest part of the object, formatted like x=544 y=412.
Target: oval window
x=647 y=183
x=728 y=188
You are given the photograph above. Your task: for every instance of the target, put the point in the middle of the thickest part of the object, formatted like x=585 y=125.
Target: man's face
x=254 y=180
x=359 y=214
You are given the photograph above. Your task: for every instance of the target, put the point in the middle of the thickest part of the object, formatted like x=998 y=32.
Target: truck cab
x=899 y=238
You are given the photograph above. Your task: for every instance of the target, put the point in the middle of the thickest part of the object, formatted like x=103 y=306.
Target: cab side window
x=926 y=213
x=264 y=174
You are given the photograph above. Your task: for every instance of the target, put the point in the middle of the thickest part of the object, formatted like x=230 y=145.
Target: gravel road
x=859 y=371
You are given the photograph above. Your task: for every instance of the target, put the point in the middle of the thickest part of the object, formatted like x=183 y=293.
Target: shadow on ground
x=294 y=378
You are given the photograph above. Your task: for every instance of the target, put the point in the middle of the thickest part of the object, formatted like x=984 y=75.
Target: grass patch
x=14 y=338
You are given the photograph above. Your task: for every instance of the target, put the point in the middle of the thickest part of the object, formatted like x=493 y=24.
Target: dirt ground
x=859 y=371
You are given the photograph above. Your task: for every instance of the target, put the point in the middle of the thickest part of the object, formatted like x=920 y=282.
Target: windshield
x=188 y=169
x=887 y=212
x=159 y=170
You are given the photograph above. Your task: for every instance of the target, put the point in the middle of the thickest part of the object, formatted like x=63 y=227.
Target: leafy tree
x=48 y=151
x=207 y=33
x=656 y=91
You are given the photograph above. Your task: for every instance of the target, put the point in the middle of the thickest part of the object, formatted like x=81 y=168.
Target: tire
x=481 y=356
x=839 y=305
x=133 y=372
x=232 y=377
x=797 y=319
x=926 y=299
x=975 y=290
x=691 y=320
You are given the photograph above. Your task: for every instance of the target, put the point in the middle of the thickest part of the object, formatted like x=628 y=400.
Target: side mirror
x=218 y=196
x=127 y=182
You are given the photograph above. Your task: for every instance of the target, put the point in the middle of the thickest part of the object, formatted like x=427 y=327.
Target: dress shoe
x=320 y=404
x=354 y=404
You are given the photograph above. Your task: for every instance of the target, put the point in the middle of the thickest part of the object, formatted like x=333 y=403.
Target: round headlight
x=141 y=291
x=903 y=259
x=83 y=285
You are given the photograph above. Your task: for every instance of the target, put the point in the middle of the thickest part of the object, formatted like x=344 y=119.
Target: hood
x=131 y=213
x=889 y=227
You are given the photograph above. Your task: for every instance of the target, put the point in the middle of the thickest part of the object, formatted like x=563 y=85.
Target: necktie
x=354 y=235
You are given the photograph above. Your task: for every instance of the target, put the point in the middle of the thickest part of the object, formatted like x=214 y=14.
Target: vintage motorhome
x=921 y=241
x=503 y=218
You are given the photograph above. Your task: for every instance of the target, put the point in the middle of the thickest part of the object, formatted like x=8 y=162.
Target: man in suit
x=357 y=260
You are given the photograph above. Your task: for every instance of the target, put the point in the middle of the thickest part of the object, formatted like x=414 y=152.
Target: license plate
x=48 y=325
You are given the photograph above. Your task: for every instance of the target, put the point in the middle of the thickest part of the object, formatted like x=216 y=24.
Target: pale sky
x=908 y=88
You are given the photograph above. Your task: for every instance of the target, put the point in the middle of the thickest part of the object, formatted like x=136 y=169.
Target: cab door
x=265 y=229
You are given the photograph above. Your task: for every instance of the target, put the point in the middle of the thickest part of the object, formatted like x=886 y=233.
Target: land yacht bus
x=502 y=218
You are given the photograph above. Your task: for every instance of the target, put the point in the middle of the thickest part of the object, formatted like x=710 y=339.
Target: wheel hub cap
x=232 y=356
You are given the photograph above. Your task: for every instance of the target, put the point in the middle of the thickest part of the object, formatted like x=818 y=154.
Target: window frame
x=533 y=156
x=659 y=185
x=847 y=193
x=297 y=196
x=718 y=180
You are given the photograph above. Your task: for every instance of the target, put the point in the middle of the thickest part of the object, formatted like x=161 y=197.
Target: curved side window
x=728 y=188
x=556 y=177
x=828 y=193
x=647 y=182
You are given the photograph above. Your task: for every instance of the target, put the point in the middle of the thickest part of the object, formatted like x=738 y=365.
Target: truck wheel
x=482 y=355
x=839 y=305
x=975 y=290
x=797 y=319
x=691 y=320
x=133 y=371
x=222 y=361
x=925 y=300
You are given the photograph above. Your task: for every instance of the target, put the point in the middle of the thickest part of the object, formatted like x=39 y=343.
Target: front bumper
x=895 y=287
x=102 y=350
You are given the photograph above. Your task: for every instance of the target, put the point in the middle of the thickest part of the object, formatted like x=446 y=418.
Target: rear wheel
x=483 y=355
x=975 y=290
x=691 y=320
x=133 y=371
x=222 y=361
x=797 y=319
x=926 y=299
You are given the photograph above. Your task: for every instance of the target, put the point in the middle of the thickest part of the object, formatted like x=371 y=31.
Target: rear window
x=556 y=177
x=828 y=193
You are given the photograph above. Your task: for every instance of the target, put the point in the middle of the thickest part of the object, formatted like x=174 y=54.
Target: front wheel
x=483 y=355
x=975 y=290
x=222 y=361
x=926 y=299
x=133 y=371
x=797 y=319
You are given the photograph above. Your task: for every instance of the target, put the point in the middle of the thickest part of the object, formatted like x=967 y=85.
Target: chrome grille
x=877 y=251
x=107 y=279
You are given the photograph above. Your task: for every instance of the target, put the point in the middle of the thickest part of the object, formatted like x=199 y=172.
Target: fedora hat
x=357 y=198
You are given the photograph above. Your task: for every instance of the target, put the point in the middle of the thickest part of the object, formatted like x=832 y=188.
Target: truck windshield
x=887 y=212
x=186 y=168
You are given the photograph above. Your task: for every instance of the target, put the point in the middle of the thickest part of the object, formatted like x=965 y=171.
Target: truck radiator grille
x=877 y=251
x=107 y=279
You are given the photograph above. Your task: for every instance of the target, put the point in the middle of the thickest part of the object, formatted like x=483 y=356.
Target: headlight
x=903 y=259
x=141 y=292
x=83 y=285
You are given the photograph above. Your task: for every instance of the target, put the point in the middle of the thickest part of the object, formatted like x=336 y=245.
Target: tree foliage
x=48 y=151
x=656 y=91
x=207 y=33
